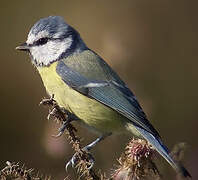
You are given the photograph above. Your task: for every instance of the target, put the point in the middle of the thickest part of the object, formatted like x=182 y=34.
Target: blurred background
x=151 y=44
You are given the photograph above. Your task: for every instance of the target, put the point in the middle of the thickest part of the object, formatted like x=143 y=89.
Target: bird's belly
x=93 y=114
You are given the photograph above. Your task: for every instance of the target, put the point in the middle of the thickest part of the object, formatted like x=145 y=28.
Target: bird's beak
x=23 y=47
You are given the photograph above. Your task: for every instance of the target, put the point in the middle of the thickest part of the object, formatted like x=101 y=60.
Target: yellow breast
x=94 y=114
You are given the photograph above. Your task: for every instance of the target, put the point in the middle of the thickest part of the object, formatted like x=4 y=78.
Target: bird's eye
x=41 y=41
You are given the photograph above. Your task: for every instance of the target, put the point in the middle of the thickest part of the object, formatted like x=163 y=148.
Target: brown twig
x=65 y=117
x=13 y=171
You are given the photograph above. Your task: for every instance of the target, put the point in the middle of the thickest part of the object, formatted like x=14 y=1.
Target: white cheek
x=49 y=52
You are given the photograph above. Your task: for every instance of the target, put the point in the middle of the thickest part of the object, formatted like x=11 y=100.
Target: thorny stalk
x=13 y=171
x=82 y=157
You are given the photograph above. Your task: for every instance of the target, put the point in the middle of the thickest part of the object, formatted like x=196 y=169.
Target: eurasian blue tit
x=84 y=84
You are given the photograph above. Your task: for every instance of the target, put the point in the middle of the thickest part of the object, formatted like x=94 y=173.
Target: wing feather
x=113 y=95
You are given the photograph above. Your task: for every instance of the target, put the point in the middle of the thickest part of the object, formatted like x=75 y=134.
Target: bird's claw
x=55 y=111
x=71 y=162
x=58 y=113
x=61 y=129
x=48 y=101
x=86 y=158
x=51 y=113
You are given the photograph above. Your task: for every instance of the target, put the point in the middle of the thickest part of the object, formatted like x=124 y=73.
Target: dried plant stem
x=82 y=157
x=13 y=171
x=137 y=162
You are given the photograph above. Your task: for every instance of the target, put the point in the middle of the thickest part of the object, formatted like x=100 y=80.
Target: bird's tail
x=163 y=151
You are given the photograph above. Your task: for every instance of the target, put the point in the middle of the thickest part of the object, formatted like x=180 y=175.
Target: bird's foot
x=81 y=158
x=65 y=118
x=55 y=111
x=48 y=101
x=84 y=154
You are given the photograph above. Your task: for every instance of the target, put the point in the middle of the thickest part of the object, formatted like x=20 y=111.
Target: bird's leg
x=91 y=145
x=89 y=158
x=61 y=114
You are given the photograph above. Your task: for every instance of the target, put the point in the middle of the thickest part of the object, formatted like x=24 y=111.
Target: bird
x=85 y=85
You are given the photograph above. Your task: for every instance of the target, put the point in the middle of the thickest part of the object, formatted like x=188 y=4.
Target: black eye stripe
x=44 y=40
x=41 y=41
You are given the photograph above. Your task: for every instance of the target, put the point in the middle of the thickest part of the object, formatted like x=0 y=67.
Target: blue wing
x=108 y=92
x=113 y=93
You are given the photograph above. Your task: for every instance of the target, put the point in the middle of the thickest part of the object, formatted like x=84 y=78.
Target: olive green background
x=151 y=44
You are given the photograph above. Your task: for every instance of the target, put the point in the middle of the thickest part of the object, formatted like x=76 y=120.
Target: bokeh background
x=151 y=44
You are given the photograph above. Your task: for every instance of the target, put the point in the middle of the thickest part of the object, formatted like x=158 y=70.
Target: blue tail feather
x=163 y=151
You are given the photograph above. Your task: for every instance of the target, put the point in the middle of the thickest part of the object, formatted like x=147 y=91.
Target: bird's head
x=51 y=39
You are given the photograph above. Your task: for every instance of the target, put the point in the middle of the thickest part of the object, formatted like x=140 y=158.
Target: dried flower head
x=137 y=162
